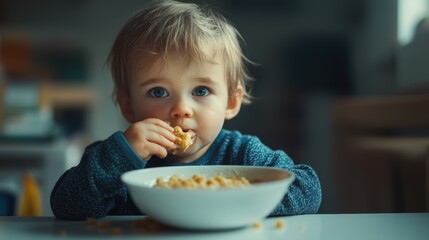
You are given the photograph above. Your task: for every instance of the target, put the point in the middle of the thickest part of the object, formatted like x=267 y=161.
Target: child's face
x=194 y=96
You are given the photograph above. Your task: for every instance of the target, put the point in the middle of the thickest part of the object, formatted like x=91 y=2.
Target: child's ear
x=234 y=103
x=125 y=105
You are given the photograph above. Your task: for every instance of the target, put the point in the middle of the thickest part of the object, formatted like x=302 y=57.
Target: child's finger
x=160 y=123
x=166 y=141
x=167 y=134
x=158 y=150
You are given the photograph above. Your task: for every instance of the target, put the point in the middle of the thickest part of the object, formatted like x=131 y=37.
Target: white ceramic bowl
x=206 y=209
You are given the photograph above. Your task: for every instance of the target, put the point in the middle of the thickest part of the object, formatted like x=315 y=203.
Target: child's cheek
x=210 y=126
x=151 y=111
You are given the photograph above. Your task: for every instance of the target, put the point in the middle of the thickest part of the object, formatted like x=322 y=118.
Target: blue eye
x=201 y=91
x=158 y=92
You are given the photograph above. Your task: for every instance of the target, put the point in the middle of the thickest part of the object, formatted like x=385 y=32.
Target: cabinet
x=58 y=69
x=382 y=153
x=46 y=161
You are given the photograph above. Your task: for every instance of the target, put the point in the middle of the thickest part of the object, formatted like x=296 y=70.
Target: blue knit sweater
x=94 y=189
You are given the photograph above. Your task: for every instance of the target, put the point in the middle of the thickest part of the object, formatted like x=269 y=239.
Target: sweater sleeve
x=304 y=194
x=93 y=188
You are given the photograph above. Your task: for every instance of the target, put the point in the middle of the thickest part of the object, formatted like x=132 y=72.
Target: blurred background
x=340 y=85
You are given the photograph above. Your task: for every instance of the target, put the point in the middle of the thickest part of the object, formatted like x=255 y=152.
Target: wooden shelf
x=65 y=96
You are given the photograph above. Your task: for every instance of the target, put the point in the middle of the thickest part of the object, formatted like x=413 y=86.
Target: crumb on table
x=257 y=224
x=103 y=224
x=62 y=233
x=116 y=231
x=91 y=221
x=148 y=225
x=280 y=223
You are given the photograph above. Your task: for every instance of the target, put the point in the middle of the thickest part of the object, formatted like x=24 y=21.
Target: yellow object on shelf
x=30 y=199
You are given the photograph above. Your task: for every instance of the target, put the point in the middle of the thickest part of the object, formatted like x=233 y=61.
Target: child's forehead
x=151 y=60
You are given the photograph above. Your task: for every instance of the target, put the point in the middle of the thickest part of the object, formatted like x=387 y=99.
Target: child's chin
x=183 y=156
x=182 y=153
x=179 y=152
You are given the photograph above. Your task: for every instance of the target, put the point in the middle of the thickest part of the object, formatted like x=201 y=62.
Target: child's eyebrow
x=150 y=81
x=207 y=80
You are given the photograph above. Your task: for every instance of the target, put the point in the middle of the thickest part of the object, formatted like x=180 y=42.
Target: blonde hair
x=185 y=28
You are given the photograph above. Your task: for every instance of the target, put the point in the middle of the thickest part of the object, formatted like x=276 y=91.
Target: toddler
x=174 y=64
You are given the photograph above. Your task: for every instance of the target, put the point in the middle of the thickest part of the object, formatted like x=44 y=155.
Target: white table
x=325 y=226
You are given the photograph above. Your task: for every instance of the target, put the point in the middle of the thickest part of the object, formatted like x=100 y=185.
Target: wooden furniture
x=381 y=149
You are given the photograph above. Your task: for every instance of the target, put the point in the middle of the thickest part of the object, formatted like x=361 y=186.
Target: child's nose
x=181 y=109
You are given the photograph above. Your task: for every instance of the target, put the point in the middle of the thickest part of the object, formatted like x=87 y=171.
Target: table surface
x=319 y=226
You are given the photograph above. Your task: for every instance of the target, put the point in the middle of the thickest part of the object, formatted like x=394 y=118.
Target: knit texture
x=94 y=189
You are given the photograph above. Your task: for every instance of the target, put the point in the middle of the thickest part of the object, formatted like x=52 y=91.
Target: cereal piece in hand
x=183 y=139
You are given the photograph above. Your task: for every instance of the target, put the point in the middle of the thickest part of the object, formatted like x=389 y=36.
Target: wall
x=413 y=73
x=374 y=41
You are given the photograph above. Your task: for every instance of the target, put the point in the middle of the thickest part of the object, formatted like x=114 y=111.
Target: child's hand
x=151 y=137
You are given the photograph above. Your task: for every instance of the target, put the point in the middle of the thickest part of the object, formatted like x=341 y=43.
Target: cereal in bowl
x=198 y=181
